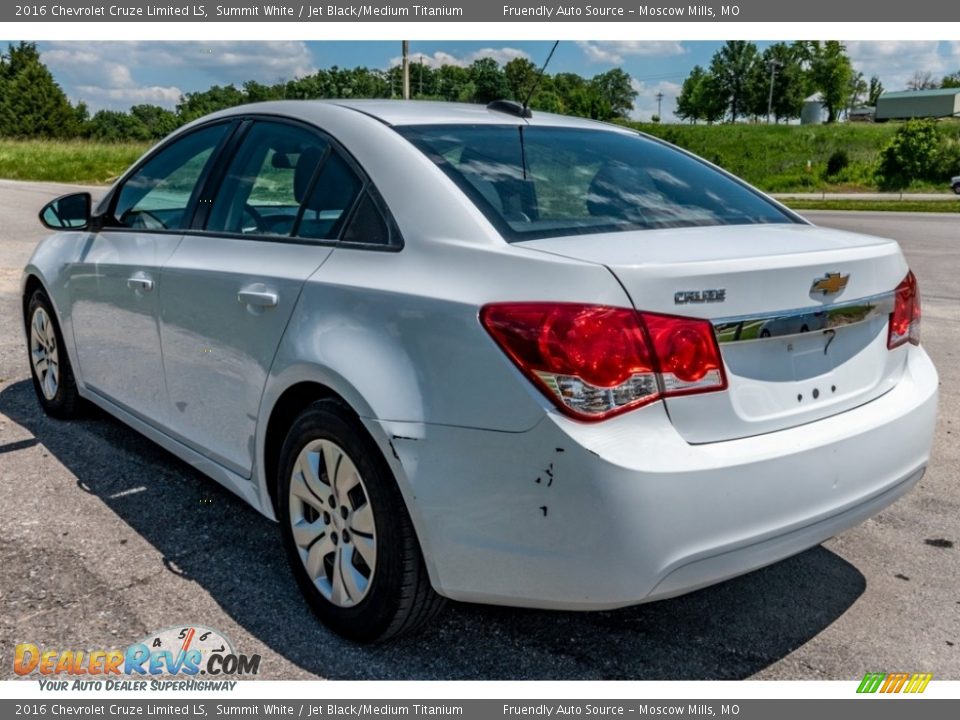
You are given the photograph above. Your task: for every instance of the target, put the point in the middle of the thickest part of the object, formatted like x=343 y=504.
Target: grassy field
x=66 y=161
x=931 y=206
x=775 y=157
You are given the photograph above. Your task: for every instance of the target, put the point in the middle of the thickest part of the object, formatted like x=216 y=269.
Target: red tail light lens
x=905 y=318
x=595 y=361
x=689 y=358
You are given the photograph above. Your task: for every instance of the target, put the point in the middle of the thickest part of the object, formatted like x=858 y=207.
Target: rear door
x=229 y=289
x=114 y=284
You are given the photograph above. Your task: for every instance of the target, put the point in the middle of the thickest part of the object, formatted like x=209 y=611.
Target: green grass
x=932 y=206
x=775 y=157
x=772 y=157
x=87 y=163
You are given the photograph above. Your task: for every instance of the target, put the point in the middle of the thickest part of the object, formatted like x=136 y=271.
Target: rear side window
x=330 y=199
x=369 y=226
x=157 y=195
x=268 y=180
x=535 y=182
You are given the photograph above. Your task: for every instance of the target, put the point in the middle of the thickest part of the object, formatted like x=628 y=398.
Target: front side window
x=534 y=182
x=157 y=195
x=268 y=180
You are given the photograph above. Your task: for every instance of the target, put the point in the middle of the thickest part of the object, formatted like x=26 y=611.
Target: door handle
x=140 y=281
x=257 y=297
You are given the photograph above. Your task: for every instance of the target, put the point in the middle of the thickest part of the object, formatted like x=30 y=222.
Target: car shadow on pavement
x=728 y=631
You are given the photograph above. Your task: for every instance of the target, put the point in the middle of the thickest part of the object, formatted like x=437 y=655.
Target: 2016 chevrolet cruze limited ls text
x=486 y=354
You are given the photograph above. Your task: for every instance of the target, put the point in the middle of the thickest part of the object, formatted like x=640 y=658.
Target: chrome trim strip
x=785 y=323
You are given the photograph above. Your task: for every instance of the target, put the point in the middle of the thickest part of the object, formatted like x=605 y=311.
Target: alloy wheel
x=44 y=353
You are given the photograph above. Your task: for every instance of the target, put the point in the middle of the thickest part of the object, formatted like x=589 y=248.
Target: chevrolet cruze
x=486 y=354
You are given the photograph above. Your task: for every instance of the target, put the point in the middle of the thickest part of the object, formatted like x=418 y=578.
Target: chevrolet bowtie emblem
x=829 y=284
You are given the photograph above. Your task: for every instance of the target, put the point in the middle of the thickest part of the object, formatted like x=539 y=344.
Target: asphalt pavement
x=104 y=537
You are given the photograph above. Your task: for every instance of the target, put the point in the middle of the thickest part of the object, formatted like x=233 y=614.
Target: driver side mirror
x=67 y=212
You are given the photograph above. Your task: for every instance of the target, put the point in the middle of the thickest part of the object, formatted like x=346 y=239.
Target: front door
x=114 y=284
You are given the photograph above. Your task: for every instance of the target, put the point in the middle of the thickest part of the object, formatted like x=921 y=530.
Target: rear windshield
x=535 y=182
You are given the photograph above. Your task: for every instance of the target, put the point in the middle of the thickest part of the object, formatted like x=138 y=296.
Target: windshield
x=535 y=182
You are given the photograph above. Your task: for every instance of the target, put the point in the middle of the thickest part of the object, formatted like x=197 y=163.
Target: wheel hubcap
x=332 y=522
x=44 y=354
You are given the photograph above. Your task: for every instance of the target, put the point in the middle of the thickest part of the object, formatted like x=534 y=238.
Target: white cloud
x=111 y=74
x=896 y=61
x=645 y=104
x=614 y=52
x=124 y=97
x=501 y=55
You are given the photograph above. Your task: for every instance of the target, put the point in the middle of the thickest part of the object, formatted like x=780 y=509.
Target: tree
x=731 y=66
x=521 y=74
x=874 y=91
x=700 y=98
x=831 y=73
x=32 y=104
x=922 y=80
x=951 y=81
x=450 y=79
x=488 y=80
x=197 y=104
x=615 y=92
x=158 y=122
x=858 y=92
x=114 y=126
x=789 y=83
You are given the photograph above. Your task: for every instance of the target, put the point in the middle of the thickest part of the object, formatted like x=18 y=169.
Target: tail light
x=595 y=361
x=905 y=318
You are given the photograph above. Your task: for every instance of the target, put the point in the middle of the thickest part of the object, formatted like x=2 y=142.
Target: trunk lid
x=801 y=314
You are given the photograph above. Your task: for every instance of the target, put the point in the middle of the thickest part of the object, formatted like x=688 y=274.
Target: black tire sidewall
x=372 y=616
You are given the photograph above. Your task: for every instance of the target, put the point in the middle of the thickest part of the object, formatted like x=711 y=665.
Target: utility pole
x=774 y=64
x=659 y=100
x=406 y=69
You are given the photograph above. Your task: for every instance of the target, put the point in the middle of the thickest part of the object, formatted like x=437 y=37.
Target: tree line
x=33 y=105
x=742 y=82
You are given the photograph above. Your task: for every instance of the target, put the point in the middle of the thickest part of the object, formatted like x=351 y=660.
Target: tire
x=956 y=188
x=50 y=369
x=354 y=552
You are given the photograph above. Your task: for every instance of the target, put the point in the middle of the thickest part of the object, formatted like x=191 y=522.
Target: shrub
x=913 y=154
x=837 y=163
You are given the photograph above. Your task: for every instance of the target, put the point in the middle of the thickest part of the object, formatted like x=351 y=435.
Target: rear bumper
x=576 y=516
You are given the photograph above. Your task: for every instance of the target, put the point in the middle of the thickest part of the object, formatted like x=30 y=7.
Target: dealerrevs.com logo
x=894 y=682
x=174 y=658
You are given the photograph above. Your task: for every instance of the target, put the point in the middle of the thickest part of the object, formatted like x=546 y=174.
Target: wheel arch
x=289 y=395
x=285 y=398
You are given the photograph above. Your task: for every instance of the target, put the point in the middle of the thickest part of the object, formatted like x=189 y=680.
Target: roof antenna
x=536 y=82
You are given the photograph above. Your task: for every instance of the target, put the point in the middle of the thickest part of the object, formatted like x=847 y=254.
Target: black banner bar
x=480 y=11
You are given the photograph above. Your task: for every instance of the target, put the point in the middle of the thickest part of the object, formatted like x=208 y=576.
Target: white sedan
x=477 y=353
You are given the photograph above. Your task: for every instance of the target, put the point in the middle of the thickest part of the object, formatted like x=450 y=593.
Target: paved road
x=105 y=537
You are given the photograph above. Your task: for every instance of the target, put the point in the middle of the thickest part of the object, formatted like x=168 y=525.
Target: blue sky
x=117 y=75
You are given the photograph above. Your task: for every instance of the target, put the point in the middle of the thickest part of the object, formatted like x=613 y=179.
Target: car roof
x=422 y=112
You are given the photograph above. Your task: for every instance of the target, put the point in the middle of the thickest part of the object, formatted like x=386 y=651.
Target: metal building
x=944 y=102
x=813 y=111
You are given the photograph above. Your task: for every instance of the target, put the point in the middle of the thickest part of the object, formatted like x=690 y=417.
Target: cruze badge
x=682 y=297
x=829 y=284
